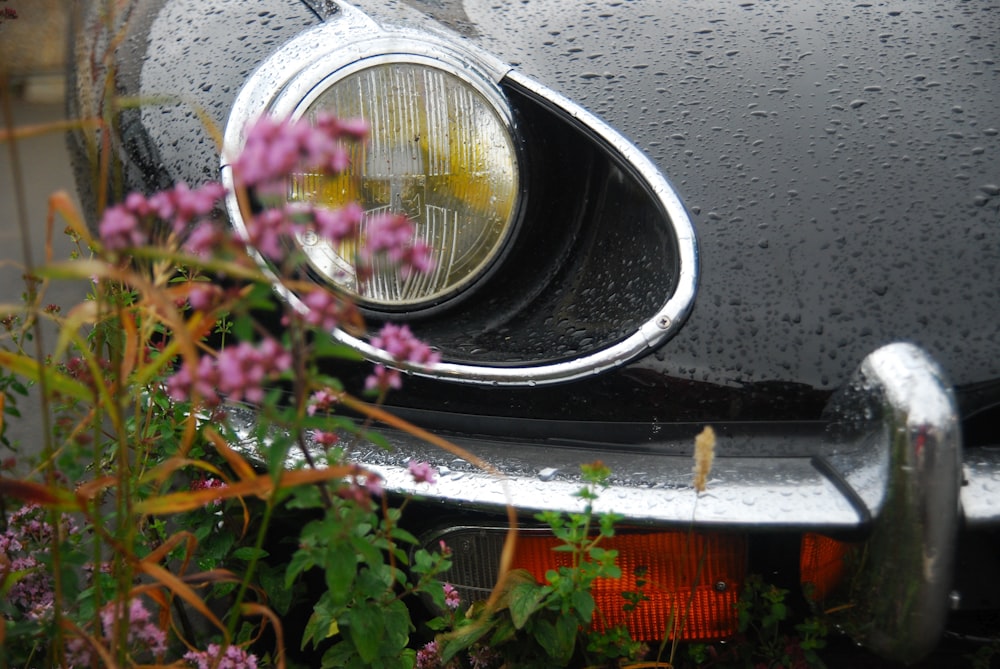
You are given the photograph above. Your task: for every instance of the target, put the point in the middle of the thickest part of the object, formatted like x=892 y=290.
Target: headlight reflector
x=441 y=151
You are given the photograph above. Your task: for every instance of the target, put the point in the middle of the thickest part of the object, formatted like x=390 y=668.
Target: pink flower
x=180 y=205
x=203 y=240
x=24 y=543
x=395 y=236
x=382 y=379
x=243 y=369
x=362 y=487
x=120 y=229
x=324 y=438
x=238 y=372
x=142 y=630
x=322 y=400
x=451 y=597
x=274 y=148
x=209 y=483
x=483 y=657
x=429 y=657
x=399 y=342
x=203 y=382
x=203 y=296
x=121 y=225
x=214 y=657
x=336 y=225
x=268 y=230
x=323 y=309
x=422 y=472
x=78 y=653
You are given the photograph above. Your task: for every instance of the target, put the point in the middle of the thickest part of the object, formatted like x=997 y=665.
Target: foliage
x=142 y=535
x=545 y=624
x=765 y=639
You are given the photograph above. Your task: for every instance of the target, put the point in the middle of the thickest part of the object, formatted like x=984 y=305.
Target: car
x=778 y=219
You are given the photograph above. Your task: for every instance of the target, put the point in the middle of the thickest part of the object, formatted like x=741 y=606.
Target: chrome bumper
x=886 y=461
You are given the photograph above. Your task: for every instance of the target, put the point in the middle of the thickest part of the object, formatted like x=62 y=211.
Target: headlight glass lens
x=440 y=152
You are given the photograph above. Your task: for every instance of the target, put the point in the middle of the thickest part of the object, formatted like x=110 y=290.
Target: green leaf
x=366 y=629
x=566 y=628
x=248 y=553
x=583 y=604
x=463 y=638
x=322 y=624
x=28 y=367
x=397 y=627
x=271 y=580
x=525 y=599
x=300 y=562
x=340 y=567
x=546 y=636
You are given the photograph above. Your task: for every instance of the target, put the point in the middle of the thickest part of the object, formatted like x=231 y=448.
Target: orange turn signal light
x=689 y=582
x=822 y=564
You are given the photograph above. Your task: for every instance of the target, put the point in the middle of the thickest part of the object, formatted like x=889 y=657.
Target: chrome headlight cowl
x=578 y=253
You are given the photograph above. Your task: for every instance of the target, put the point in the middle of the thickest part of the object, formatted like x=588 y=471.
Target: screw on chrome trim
x=955 y=600
x=663 y=322
x=720 y=586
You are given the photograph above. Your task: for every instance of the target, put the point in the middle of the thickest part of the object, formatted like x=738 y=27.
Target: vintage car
x=778 y=218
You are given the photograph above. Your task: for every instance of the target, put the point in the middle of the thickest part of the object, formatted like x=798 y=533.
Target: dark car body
x=838 y=167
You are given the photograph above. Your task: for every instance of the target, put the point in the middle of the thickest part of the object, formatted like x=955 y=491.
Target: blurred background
x=33 y=56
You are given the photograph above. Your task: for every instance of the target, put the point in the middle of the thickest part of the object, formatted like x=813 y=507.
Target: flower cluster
x=209 y=483
x=274 y=148
x=361 y=487
x=451 y=597
x=233 y=657
x=239 y=373
x=23 y=547
x=429 y=657
x=323 y=309
x=322 y=401
x=143 y=633
x=122 y=226
x=399 y=342
x=394 y=235
x=142 y=630
x=422 y=472
x=325 y=438
x=7 y=14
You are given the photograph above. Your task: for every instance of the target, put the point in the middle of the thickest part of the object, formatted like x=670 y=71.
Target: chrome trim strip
x=288 y=76
x=899 y=596
x=646 y=486
x=981 y=487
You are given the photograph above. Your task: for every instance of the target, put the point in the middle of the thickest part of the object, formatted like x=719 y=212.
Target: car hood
x=841 y=161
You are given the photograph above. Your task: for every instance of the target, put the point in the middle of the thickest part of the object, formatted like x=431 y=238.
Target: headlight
x=575 y=253
x=441 y=151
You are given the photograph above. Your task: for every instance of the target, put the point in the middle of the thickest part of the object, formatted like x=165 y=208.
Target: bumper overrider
x=885 y=467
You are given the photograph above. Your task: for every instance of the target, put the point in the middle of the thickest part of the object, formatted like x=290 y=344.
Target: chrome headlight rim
x=297 y=99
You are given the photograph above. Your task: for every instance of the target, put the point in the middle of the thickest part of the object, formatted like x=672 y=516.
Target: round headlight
x=440 y=151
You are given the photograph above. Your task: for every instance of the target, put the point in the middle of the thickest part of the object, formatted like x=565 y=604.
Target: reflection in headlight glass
x=440 y=153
